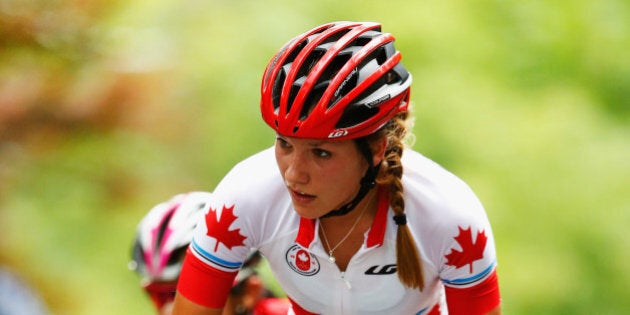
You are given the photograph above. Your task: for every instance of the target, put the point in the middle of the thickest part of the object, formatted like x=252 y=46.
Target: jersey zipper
x=343 y=278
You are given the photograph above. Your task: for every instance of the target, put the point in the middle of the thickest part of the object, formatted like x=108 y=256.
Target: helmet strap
x=367 y=182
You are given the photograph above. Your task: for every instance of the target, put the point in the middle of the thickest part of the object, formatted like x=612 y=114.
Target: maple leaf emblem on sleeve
x=471 y=251
x=220 y=228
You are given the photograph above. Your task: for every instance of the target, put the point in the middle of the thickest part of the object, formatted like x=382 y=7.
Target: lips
x=300 y=197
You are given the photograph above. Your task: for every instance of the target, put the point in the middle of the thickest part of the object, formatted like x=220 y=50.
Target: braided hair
x=390 y=175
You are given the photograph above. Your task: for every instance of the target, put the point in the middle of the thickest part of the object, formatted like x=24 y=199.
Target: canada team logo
x=471 y=250
x=219 y=228
x=301 y=261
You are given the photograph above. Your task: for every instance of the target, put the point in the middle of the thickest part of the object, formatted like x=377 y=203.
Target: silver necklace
x=331 y=250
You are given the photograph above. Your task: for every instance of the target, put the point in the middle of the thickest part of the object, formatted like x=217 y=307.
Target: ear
x=378 y=150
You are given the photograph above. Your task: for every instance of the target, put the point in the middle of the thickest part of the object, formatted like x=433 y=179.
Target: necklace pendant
x=332 y=259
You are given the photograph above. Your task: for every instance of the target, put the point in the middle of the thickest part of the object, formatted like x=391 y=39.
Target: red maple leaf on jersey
x=220 y=229
x=470 y=252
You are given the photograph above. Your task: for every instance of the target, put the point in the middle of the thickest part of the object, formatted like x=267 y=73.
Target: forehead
x=317 y=142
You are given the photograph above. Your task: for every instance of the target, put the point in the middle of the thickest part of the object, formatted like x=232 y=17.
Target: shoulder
x=421 y=168
x=438 y=202
x=431 y=184
x=261 y=164
x=253 y=176
x=252 y=189
x=448 y=220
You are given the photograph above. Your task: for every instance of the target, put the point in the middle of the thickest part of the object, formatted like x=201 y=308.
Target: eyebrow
x=312 y=142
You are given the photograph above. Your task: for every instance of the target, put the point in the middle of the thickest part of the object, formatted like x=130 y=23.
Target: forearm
x=184 y=306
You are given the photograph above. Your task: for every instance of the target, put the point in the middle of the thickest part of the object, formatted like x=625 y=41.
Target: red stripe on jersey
x=376 y=234
x=435 y=310
x=478 y=299
x=306 y=232
x=204 y=284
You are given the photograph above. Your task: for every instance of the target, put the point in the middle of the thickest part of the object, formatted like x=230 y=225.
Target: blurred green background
x=108 y=107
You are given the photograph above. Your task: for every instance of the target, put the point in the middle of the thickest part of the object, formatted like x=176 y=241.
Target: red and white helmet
x=163 y=236
x=342 y=80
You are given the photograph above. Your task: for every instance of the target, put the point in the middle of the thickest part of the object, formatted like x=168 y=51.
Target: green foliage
x=108 y=108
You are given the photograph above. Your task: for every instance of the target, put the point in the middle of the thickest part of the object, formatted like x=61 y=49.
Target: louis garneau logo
x=381 y=270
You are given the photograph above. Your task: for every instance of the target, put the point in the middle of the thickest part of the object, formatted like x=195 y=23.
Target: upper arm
x=482 y=298
x=202 y=284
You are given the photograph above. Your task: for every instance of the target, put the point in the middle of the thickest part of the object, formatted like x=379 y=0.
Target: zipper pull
x=343 y=278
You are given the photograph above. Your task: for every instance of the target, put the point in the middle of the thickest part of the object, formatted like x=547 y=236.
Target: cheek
x=282 y=165
x=347 y=175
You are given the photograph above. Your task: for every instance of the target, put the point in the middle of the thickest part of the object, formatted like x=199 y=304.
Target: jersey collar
x=376 y=234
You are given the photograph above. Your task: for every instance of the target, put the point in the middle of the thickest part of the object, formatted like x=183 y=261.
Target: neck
x=368 y=204
x=342 y=236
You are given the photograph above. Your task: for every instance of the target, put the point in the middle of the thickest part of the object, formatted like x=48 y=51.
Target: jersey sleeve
x=469 y=256
x=478 y=299
x=469 y=266
x=203 y=284
x=220 y=244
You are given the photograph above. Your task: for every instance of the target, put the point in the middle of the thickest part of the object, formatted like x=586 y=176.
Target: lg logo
x=384 y=270
x=338 y=133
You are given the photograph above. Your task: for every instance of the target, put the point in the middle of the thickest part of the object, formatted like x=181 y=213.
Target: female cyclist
x=350 y=220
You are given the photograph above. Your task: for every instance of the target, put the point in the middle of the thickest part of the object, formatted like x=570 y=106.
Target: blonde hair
x=390 y=174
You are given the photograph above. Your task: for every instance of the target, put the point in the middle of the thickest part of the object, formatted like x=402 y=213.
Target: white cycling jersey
x=251 y=209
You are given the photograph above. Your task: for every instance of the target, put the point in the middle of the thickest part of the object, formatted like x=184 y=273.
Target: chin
x=306 y=213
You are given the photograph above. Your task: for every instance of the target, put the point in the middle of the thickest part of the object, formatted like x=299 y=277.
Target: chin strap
x=367 y=182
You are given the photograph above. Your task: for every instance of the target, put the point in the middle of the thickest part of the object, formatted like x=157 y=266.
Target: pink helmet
x=342 y=80
x=163 y=236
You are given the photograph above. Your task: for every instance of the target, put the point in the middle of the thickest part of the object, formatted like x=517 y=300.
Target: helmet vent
x=312 y=99
x=334 y=66
x=294 y=53
x=277 y=89
x=364 y=38
x=294 y=91
x=311 y=61
x=336 y=36
x=354 y=115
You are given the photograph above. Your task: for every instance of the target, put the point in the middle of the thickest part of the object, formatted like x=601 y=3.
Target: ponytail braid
x=407 y=255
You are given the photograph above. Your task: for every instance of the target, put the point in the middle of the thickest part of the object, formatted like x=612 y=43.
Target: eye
x=283 y=143
x=320 y=153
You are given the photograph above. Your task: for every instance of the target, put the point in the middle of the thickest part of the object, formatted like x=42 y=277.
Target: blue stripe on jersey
x=214 y=259
x=422 y=311
x=472 y=279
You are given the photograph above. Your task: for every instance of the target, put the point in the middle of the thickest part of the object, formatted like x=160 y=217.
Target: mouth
x=301 y=197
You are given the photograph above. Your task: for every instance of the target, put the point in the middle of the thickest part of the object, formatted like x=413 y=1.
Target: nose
x=296 y=171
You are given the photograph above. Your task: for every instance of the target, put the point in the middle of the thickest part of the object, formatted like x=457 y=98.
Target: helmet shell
x=341 y=80
x=163 y=236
